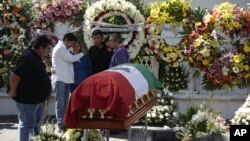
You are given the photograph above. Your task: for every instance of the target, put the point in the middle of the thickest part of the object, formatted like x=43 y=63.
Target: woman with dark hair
x=30 y=86
x=82 y=67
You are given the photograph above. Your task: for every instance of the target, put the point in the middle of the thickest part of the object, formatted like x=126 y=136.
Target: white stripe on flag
x=135 y=78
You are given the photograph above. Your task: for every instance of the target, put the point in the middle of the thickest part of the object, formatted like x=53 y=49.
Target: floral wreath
x=106 y=8
x=49 y=12
x=224 y=36
x=13 y=19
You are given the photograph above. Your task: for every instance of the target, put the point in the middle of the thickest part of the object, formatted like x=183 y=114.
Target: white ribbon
x=12 y=25
x=45 y=32
x=4 y=38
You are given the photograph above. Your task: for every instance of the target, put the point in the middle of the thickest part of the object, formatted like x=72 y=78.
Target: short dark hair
x=69 y=37
x=97 y=32
x=41 y=41
x=117 y=37
x=106 y=38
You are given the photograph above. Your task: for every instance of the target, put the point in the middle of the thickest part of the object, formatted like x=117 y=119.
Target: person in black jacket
x=99 y=53
x=30 y=86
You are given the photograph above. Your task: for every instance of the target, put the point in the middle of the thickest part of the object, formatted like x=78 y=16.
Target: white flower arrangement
x=106 y=8
x=202 y=121
x=163 y=113
x=241 y=118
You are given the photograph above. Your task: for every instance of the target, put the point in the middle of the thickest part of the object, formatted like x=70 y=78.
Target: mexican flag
x=113 y=90
x=139 y=77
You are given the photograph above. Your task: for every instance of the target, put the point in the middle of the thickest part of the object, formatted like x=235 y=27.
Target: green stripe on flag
x=151 y=79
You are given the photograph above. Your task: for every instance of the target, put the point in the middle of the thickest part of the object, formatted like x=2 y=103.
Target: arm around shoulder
x=67 y=56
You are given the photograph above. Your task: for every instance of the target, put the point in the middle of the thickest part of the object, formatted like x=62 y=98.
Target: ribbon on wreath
x=12 y=25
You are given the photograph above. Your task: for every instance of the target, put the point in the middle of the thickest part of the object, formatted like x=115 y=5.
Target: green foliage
x=196 y=16
x=119 y=20
x=174 y=78
x=184 y=118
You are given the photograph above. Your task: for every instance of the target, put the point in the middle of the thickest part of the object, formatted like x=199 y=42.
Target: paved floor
x=9 y=125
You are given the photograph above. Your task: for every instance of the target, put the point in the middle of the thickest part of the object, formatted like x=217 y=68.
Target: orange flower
x=149 y=20
x=247 y=15
x=15 y=30
x=16 y=9
x=6 y=21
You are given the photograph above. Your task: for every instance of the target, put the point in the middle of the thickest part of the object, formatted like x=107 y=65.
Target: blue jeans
x=62 y=91
x=30 y=118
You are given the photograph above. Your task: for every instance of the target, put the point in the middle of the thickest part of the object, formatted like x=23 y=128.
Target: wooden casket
x=112 y=99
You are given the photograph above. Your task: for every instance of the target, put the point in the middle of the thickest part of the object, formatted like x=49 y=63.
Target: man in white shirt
x=62 y=62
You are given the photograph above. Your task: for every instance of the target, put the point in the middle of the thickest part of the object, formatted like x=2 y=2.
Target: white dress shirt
x=62 y=62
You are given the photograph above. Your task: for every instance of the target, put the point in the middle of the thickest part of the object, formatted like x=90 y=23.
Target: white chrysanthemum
x=172 y=101
x=148 y=115
x=161 y=116
x=166 y=114
x=175 y=114
x=120 y=8
x=243 y=120
x=153 y=115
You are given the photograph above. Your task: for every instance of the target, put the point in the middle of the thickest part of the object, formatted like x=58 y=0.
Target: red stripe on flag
x=105 y=90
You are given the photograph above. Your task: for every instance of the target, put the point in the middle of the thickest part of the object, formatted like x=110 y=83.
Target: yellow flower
x=166 y=49
x=198 y=41
x=199 y=57
x=205 y=62
x=162 y=20
x=205 y=52
x=190 y=59
x=173 y=56
x=154 y=13
x=238 y=58
x=246 y=76
x=246 y=47
x=166 y=17
x=164 y=5
x=236 y=24
x=246 y=67
x=198 y=23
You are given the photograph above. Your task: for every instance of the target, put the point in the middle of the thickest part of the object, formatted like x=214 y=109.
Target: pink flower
x=49 y=29
x=51 y=9
x=54 y=4
x=36 y=6
x=62 y=12
x=57 y=13
x=6 y=52
x=76 y=11
x=68 y=12
x=37 y=24
x=40 y=16
x=48 y=14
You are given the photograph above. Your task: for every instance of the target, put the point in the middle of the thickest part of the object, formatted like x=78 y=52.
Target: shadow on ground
x=8 y=122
